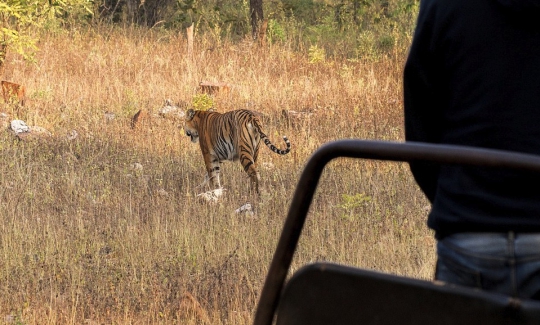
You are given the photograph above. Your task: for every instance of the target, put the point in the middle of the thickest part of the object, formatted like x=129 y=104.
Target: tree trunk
x=189 y=33
x=256 y=10
x=3 y=54
x=131 y=11
x=356 y=7
x=262 y=32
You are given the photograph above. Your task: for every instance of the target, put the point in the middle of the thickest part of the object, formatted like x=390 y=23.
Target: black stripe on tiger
x=277 y=150
x=234 y=135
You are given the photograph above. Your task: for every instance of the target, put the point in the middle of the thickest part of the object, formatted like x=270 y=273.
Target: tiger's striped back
x=235 y=135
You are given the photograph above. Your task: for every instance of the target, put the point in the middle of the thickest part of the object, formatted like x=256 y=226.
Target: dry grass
x=85 y=238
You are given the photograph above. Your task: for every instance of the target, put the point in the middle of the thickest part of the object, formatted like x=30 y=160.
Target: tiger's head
x=190 y=126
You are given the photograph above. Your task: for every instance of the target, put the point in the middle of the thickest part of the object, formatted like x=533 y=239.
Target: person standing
x=472 y=77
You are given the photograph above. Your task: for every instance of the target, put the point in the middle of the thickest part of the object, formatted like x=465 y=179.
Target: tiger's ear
x=190 y=114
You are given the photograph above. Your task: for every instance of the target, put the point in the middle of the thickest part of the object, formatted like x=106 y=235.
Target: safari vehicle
x=334 y=294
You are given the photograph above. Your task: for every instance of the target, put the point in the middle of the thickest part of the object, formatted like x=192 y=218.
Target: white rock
x=38 y=130
x=19 y=126
x=246 y=208
x=162 y=192
x=109 y=116
x=212 y=196
x=171 y=110
x=136 y=166
x=72 y=135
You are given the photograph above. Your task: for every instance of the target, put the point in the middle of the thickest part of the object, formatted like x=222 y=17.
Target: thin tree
x=256 y=13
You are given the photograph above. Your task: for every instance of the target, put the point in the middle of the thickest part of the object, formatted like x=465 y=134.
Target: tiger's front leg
x=213 y=169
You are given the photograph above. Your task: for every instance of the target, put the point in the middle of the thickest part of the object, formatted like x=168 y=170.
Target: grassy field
x=106 y=228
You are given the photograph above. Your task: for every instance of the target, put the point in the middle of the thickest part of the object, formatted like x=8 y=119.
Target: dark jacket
x=473 y=78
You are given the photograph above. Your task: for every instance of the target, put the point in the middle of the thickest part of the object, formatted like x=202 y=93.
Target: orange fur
x=233 y=136
x=11 y=90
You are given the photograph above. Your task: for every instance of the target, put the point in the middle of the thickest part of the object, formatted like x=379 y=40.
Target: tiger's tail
x=272 y=147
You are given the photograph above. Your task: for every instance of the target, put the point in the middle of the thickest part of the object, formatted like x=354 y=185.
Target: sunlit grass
x=85 y=237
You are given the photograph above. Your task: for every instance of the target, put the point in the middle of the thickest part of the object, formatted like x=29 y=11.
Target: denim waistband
x=507 y=234
x=497 y=243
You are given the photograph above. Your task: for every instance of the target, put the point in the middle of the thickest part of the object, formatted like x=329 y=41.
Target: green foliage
x=202 y=102
x=149 y=13
x=17 y=16
x=366 y=47
x=363 y=29
x=358 y=29
x=276 y=32
x=219 y=18
x=316 y=54
x=351 y=203
x=186 y=13
x=20 y=43
x=131 y=104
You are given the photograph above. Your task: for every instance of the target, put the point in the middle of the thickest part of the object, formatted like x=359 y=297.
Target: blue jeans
x=506 y=263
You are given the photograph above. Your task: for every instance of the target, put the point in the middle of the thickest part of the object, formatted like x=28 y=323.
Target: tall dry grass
x=85 y=238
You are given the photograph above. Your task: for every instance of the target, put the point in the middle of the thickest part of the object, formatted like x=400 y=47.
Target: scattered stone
x=162 y=192
x=246 y=209
x=72 y=135
x=19 y=126
x=211 y=196
x=171 y=111
x=35 y=132
x=25 y=132
x=109 y=116
x=136 y=166
x=39 y=131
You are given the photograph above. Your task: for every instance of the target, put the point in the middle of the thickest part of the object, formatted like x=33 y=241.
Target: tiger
x=231 y=136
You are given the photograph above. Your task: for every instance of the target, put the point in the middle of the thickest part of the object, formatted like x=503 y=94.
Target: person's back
x=473 y=78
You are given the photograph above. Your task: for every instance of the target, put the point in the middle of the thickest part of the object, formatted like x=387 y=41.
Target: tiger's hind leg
x=254 y=179
x=251 y=170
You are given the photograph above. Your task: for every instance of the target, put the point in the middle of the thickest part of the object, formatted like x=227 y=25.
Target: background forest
x=100 y=222
x=352 y=29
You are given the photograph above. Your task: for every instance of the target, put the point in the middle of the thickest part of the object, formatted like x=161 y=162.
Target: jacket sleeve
x=422 y=103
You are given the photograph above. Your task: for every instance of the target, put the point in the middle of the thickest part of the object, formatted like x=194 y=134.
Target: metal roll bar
x=378 y=150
